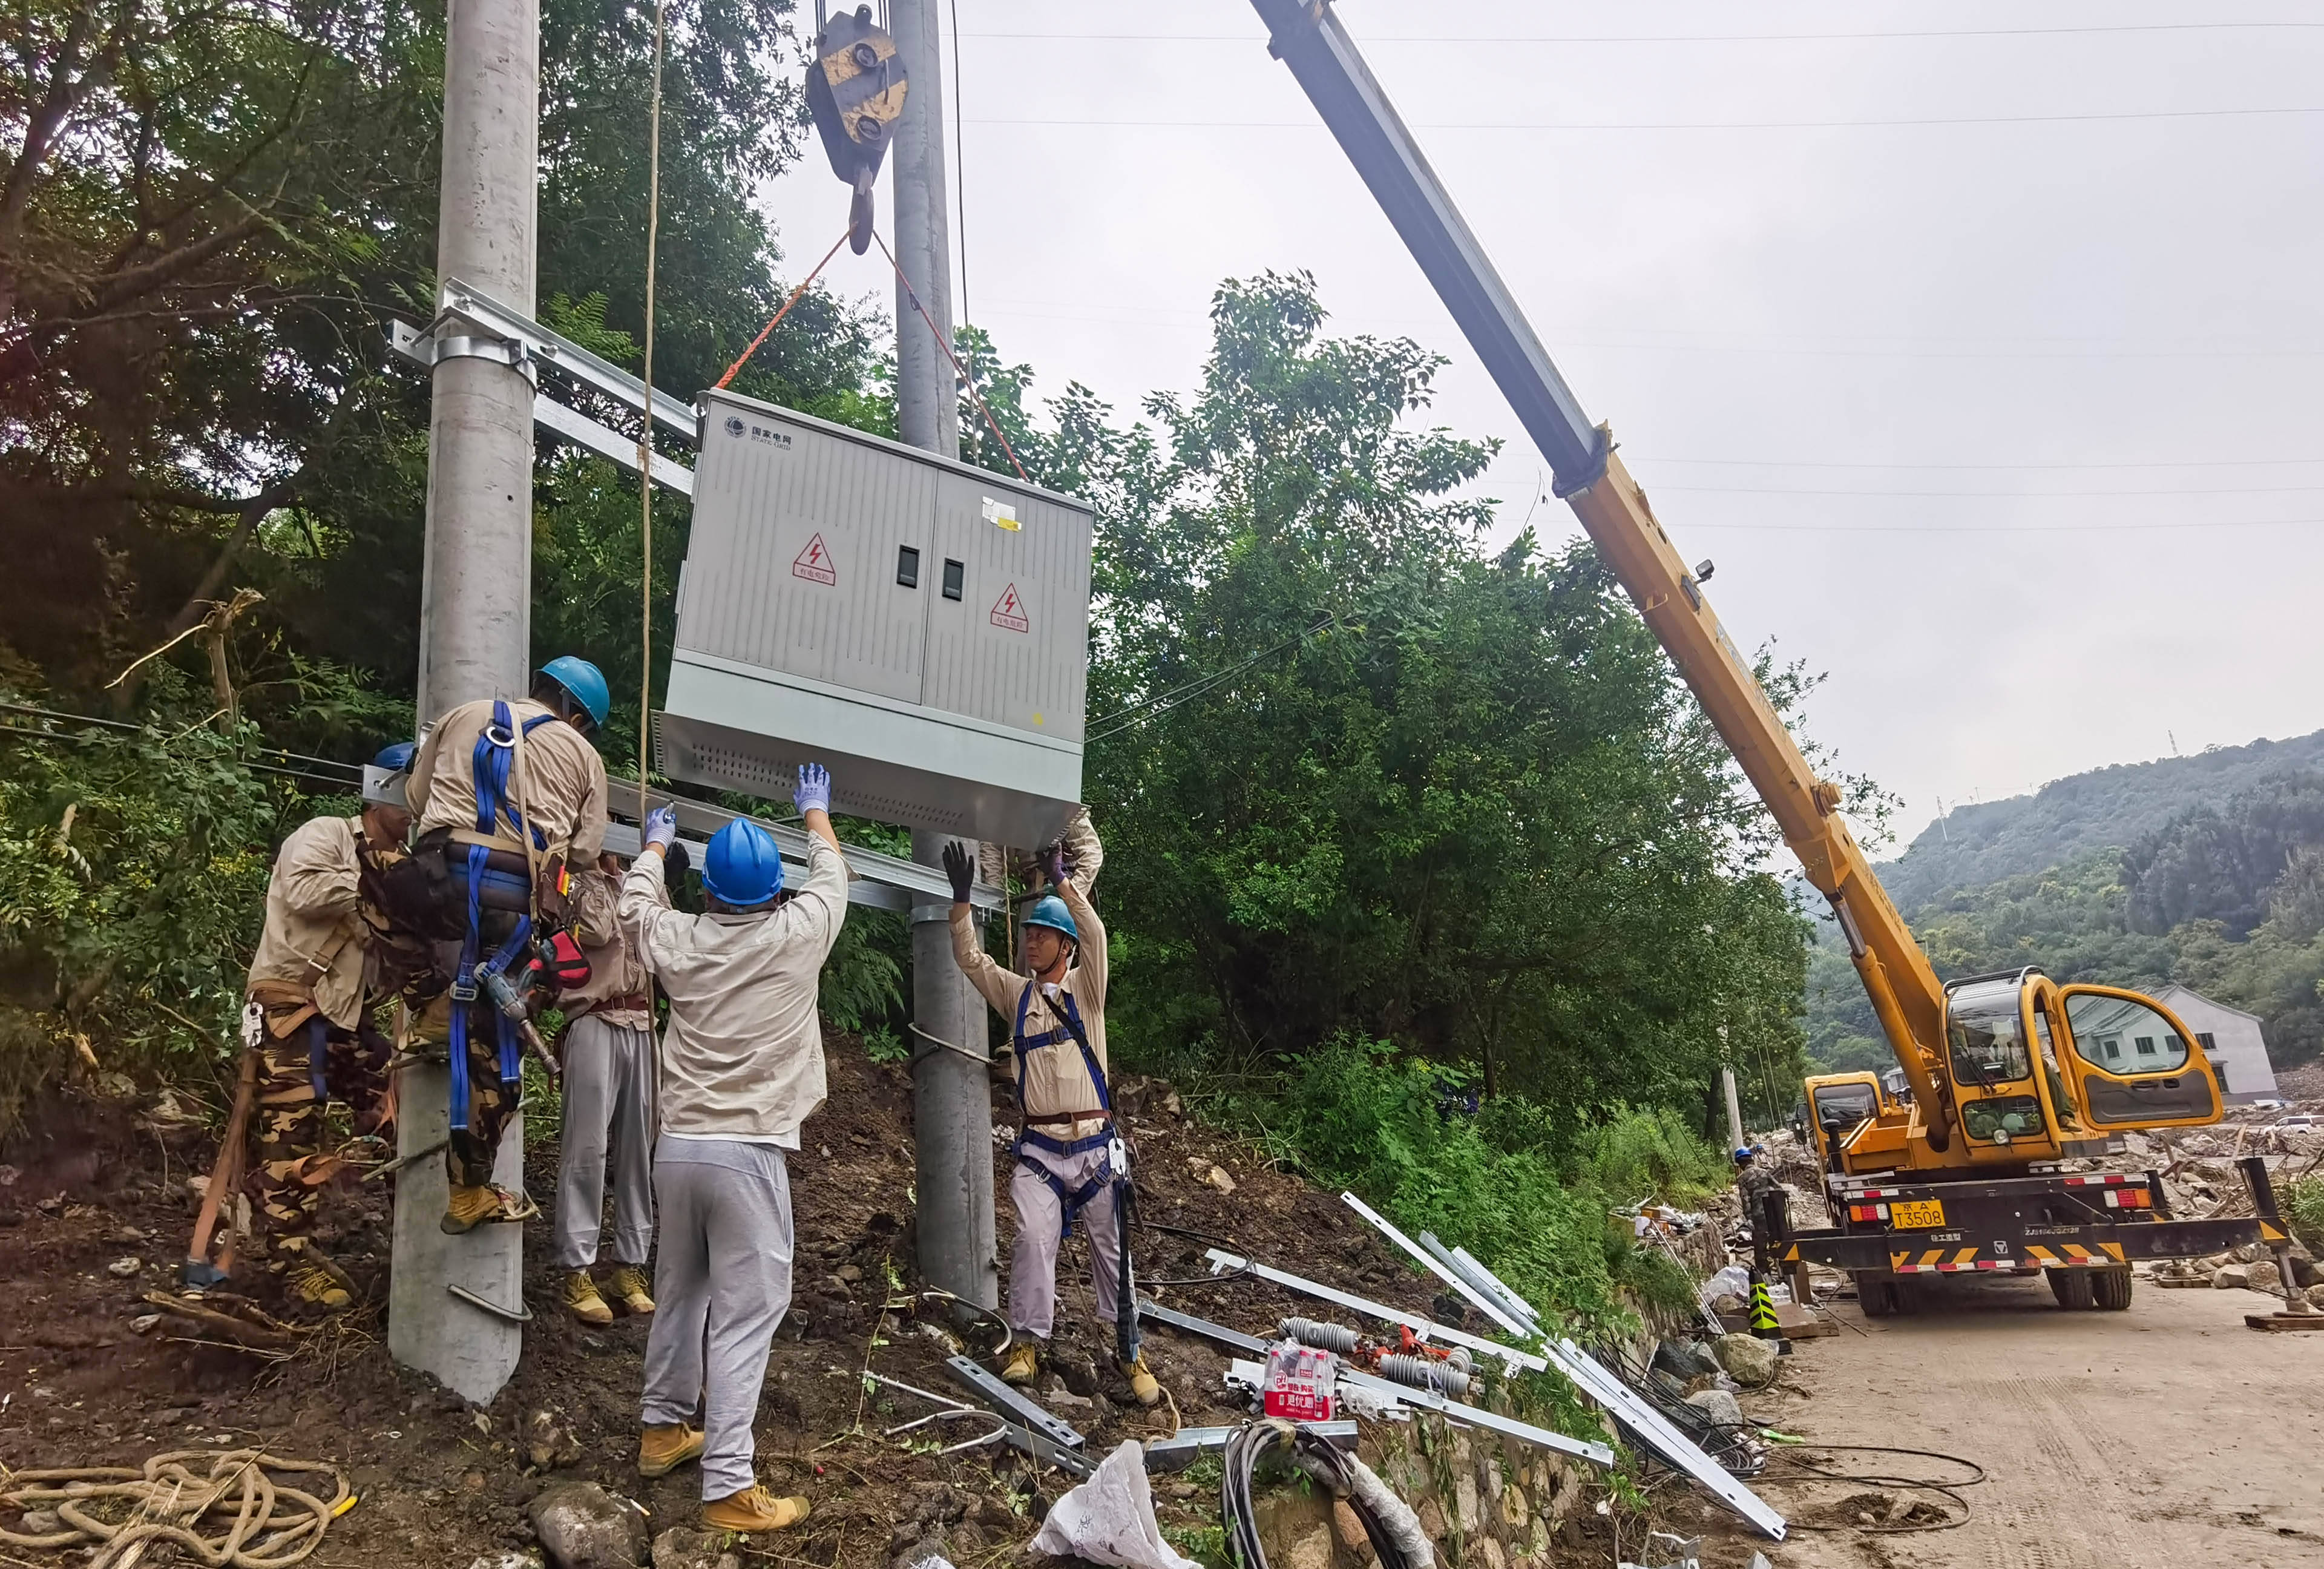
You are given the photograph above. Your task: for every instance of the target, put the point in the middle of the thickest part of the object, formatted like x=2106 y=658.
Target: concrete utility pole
x=476 y=635
x=952 y=1096
x=1734 y=1109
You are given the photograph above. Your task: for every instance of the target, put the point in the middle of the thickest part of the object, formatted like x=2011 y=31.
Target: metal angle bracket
x=1640 y=1416
x=1178 y=1451
x=459 y=302
x=1251 y=1374
x=1012 y=1403
x=1216 y=1334
x=1477 y=1300
x=1427 y=1329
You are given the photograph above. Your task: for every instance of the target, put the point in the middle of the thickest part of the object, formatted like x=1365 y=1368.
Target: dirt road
x=2166 y=1436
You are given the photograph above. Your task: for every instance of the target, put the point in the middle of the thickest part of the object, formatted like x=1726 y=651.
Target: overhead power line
x=1084 y=124
x=1467 y=40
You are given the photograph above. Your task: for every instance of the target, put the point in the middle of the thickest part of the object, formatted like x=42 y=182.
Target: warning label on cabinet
x=814 y=564
x=1008 y=610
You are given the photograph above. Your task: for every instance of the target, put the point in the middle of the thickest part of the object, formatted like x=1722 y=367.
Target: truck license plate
x=1917 y=1213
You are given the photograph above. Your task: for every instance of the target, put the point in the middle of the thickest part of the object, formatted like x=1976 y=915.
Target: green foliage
x=133 y=868
x=1517 y=1184
x=862 y=980
x=2303 y=1207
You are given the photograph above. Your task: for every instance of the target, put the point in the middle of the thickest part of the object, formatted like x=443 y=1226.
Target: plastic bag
x=1734 y=1280
x=1109 y=1518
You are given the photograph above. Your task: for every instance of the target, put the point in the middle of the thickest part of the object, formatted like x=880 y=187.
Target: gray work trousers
x=722 y=1282
x=1040 y=1218
x=609 y=1100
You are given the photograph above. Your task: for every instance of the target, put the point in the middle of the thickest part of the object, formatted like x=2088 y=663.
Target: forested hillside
x=1373 y=794
x=2113 y=807
x=2225 y=895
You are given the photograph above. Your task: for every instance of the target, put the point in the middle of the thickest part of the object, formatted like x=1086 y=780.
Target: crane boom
x=1906 y=992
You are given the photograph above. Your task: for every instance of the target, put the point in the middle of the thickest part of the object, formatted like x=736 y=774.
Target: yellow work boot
x=311 y=1279
x=755 y=1509
x=1024 y=1363
x=487 y=1204
x=662 y=1450
x=581 y=1299
x=1141 y=1382
x=629 y=1286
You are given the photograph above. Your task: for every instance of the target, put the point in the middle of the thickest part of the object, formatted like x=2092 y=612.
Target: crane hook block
x=855 y=91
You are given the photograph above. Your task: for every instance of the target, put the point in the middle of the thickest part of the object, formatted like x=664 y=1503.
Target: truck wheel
x=2071 y=1287
x=1878 y=1297
x=2111 y=1287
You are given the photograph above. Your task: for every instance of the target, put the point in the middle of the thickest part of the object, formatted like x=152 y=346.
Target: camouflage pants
x=288 y=1162
x=468 y=1158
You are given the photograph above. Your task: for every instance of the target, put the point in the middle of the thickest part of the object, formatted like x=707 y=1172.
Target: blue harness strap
x=1070 y=1199
x=467 y=986
x=496 y=750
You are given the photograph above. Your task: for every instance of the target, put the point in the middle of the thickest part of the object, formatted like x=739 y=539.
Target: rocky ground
x=95 y=1209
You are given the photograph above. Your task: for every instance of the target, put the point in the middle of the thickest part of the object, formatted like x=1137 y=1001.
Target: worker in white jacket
x=742 y=1068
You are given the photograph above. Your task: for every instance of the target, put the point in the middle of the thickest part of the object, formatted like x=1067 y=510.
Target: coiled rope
x=267 y=1524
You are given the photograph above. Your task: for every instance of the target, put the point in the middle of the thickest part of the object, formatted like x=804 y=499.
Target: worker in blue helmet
x=1071 y=1160
x=1753 y=1181
x=510 y=799
x=741 y=1069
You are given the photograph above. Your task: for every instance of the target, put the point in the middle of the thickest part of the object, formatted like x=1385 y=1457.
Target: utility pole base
x=471 y=1351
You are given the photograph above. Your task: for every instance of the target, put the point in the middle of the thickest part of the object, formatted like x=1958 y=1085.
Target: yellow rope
x=645 y=430
x=267 y=1524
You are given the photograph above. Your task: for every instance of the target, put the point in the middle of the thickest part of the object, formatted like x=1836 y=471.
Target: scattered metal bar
x=1477 y=1270
x=1477 y=1300
x=1014 y=1403
x=1425 y=1328
x=1217 y=1333
x=1244 y=1372
x=1179 y=1452
x=1652 y=1428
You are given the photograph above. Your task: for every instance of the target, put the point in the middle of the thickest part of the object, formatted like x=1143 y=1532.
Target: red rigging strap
x=913 y=295
x=776 y=319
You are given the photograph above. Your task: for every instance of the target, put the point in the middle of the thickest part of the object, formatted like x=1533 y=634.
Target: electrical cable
x=1783 y=1461
x=1250 y=1445
x=1176 y=696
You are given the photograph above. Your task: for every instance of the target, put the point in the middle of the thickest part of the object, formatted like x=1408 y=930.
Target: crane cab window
x=2122 y=1037
x=1845 y=1105
x=1986 y=1035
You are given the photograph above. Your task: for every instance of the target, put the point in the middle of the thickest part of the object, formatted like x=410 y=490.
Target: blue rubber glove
x=814 y=793
x=661 y=827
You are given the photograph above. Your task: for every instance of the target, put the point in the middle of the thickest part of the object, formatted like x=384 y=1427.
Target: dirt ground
x=441 y=1483
x=2167 y=1435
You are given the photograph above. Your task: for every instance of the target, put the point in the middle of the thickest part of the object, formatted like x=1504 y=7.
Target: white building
x=2230 y=1037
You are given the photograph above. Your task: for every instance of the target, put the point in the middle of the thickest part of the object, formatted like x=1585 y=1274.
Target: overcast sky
x=1985 y=364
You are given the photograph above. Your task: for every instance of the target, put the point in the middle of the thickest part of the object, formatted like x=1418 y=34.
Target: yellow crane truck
x=2009 y=1074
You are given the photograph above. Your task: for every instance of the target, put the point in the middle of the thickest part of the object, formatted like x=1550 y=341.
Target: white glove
x=813 y=792
x=662 y=827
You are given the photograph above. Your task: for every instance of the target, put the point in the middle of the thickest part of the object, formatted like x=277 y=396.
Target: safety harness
x=1114 y=1172
x=496 y=750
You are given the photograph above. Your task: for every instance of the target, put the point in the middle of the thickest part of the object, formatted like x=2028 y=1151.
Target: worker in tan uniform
x=508 y=795
x=1067 y=1149
x=608 y=1057
x=323 y=955
x=742 y=1068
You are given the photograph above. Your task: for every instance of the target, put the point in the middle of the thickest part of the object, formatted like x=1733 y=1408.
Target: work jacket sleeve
x=1089 y=947
x=423 y=768
x=645 y=906
x=995 y=984
x=590 y=824
x=1083 y=850
x=317 y=871
x=820 y=905
x=595 y=908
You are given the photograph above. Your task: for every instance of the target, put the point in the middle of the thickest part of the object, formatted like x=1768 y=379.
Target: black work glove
x=675 y=862
x=961 y=868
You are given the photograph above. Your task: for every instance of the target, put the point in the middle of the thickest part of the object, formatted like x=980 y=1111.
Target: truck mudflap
x=1964 y=1252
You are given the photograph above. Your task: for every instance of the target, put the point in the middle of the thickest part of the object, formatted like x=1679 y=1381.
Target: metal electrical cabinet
x=920 y=625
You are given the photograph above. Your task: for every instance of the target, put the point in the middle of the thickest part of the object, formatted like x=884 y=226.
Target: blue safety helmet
x=1743 y=1157
x=585 y=681
x=1050 y=911
x=397 y=757
x=743 y=868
